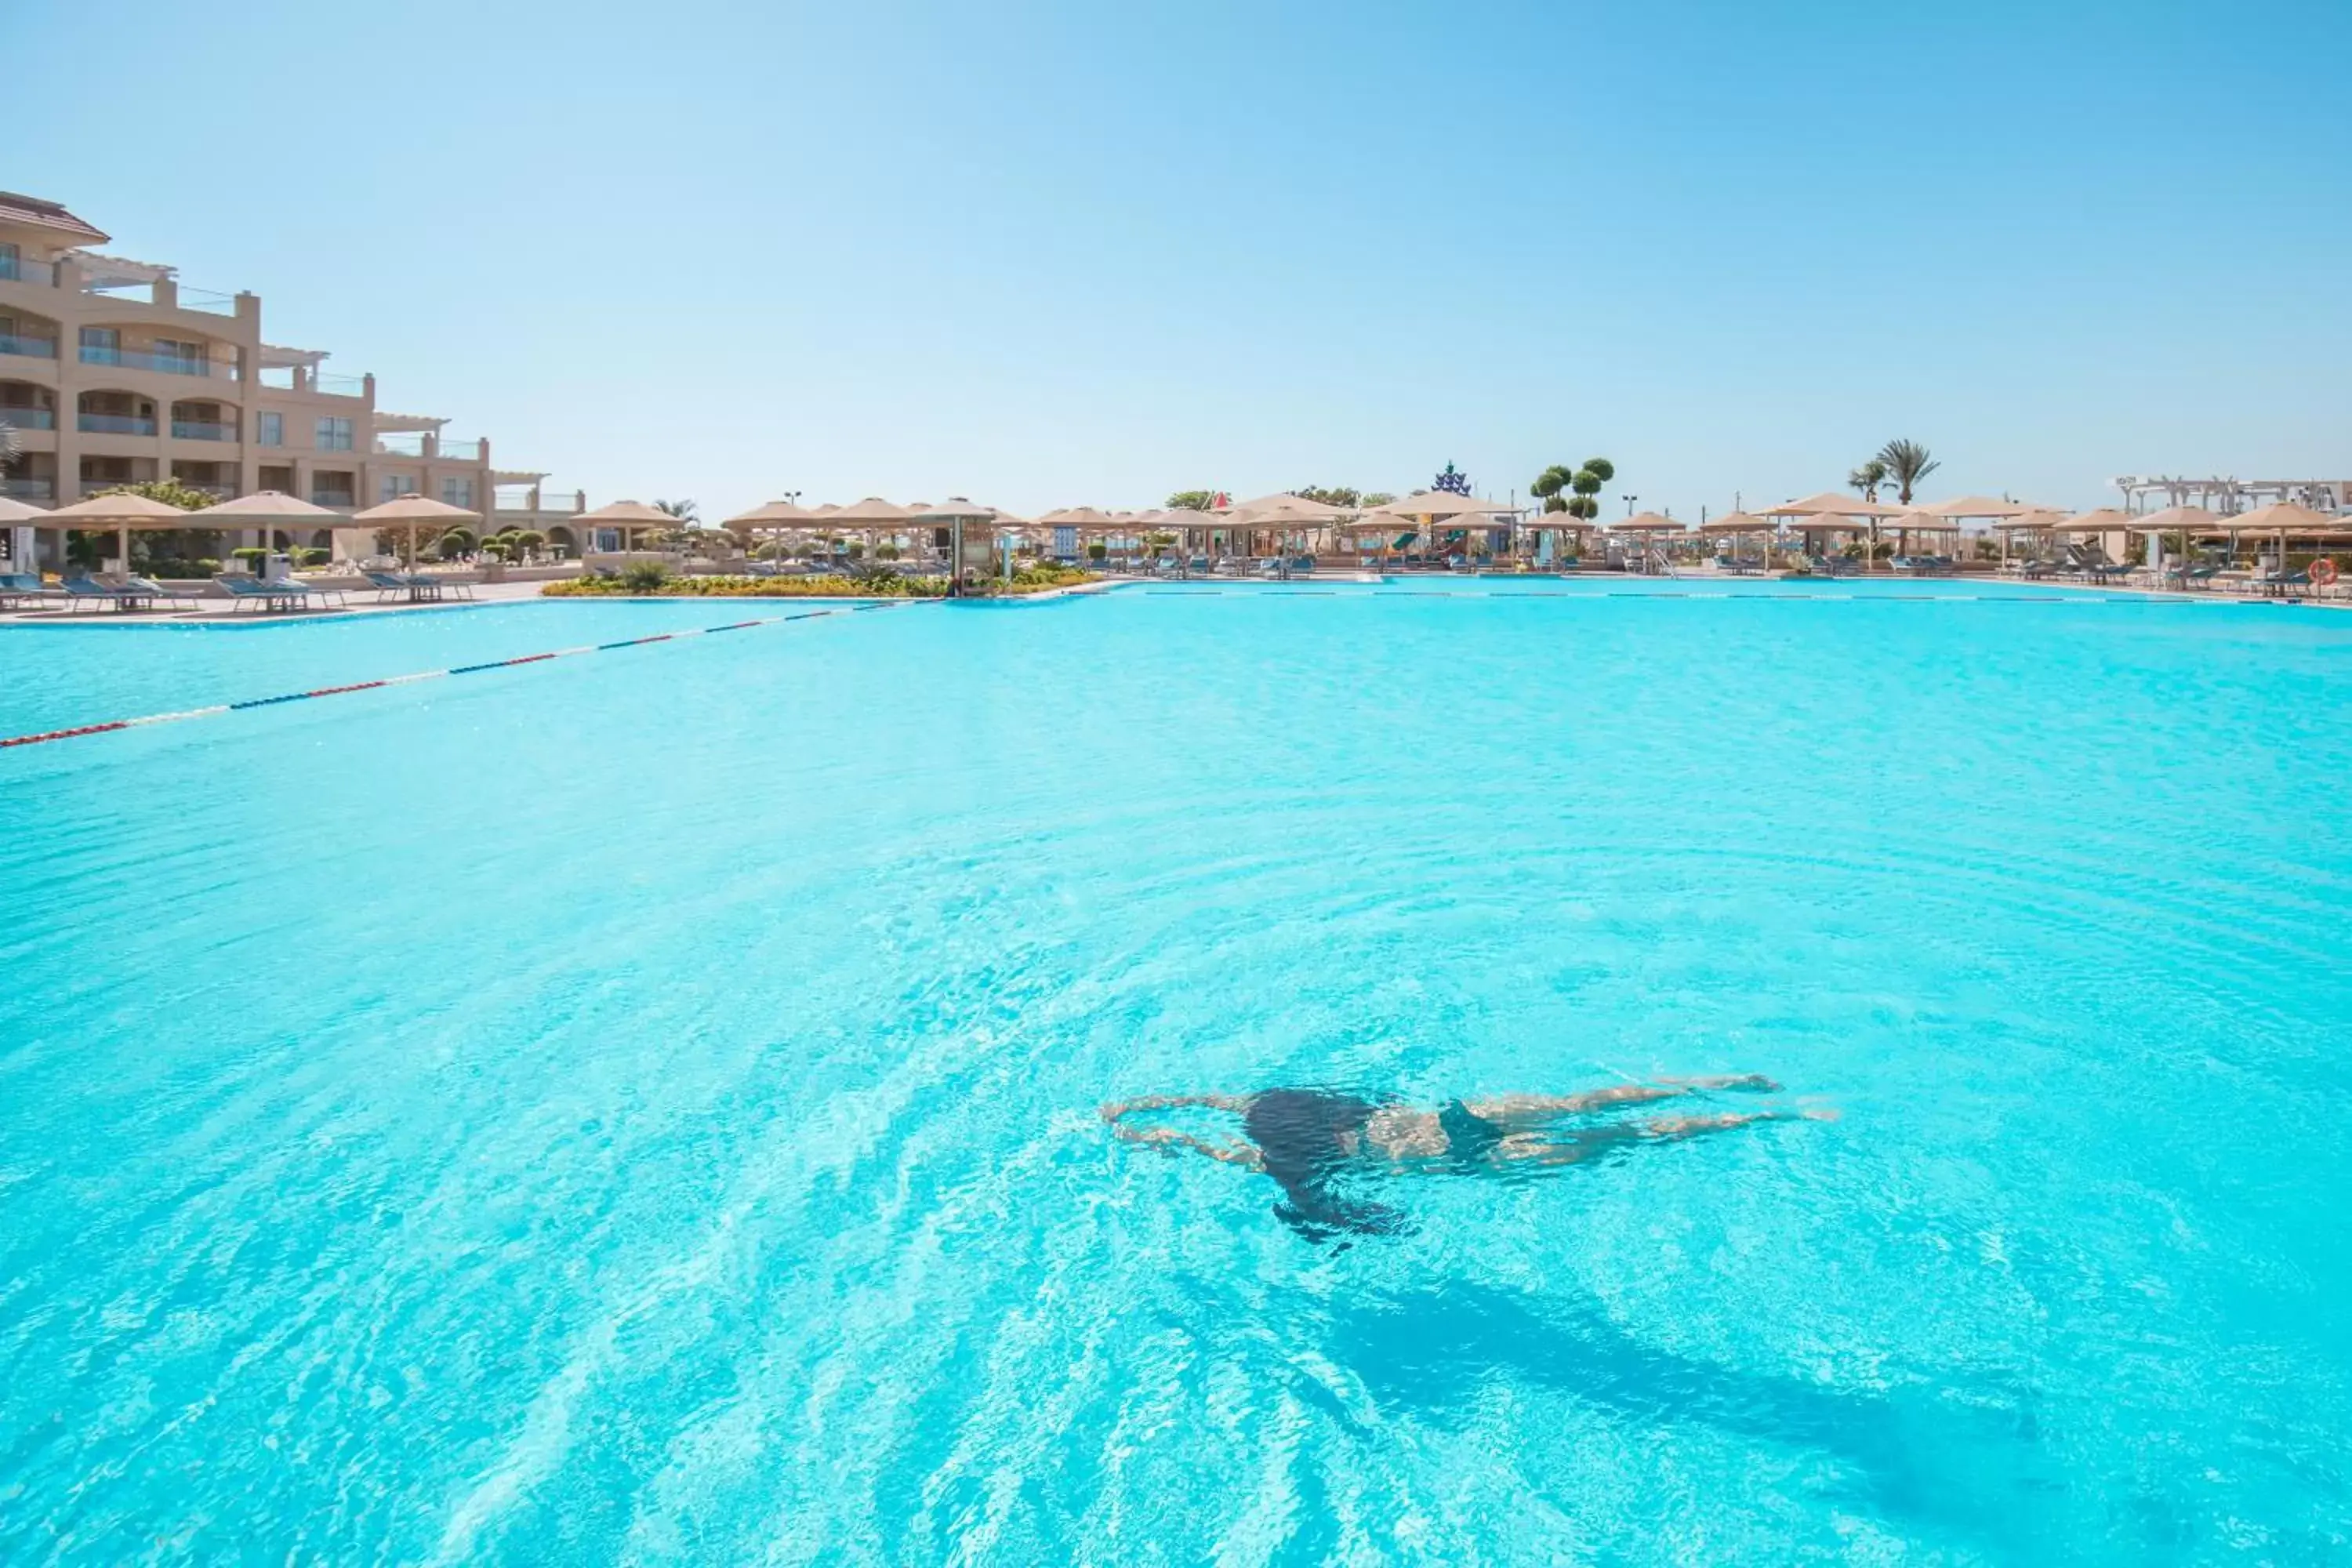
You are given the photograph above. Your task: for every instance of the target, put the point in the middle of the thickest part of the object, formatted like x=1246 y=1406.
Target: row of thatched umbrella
x=126 y=512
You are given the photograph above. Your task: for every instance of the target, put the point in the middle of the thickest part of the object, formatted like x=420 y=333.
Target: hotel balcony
x=303 y=379
x=23 y=269
x=27 y=417
x=166 y=364
x=30 y=346
x=29 y=489
x=405 y=443
x=327 y=495
x=203 y=422
x=113 y=425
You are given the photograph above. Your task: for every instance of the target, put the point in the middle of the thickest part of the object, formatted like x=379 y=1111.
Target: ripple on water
x=643 y=1107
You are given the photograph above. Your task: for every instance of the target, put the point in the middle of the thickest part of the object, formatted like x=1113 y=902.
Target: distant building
x=111 y=371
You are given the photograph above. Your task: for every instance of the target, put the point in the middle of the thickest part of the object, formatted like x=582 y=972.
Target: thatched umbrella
x=123 y=512
x=413 y=510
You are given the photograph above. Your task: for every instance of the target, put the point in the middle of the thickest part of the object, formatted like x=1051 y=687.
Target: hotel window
x=101 y=345
x=334 y=435
x=394 y=486
x=184 y=359
x=458 y=492
x=270 y=431
x=9 y=257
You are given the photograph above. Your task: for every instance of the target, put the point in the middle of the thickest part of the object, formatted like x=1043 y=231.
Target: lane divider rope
x=220 y=707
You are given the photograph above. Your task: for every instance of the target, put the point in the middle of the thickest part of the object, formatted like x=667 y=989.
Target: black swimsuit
x=1470 y=1138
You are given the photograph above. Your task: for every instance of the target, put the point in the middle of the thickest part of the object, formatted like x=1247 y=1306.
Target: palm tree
x=1868 y=477
x=681 y=509
x=1907 y=463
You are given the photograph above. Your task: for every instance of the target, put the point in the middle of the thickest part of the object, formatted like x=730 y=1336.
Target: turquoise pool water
x=640 y=1108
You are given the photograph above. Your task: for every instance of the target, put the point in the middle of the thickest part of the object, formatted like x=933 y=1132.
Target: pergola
x=954 y=513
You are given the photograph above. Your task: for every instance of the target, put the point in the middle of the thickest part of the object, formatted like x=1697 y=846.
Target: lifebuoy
x=2323 y=572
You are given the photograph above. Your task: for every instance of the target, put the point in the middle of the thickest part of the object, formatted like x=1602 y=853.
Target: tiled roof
x=15 y=208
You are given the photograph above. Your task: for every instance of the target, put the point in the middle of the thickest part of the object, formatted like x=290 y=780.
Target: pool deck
x=362 y=601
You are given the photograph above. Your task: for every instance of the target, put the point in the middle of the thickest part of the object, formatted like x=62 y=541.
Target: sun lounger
x=404 y=584
x=148 y=586
x=270 y=598
x=86 y=590
x=18 y=589
x=2279 y=585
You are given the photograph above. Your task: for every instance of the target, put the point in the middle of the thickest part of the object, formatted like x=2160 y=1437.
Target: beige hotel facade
x=111 y=371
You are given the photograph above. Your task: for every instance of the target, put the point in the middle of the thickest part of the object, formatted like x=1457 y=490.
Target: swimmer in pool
x=1304 y=1138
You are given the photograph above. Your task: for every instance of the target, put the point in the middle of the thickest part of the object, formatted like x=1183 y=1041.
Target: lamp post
x=1629 y=501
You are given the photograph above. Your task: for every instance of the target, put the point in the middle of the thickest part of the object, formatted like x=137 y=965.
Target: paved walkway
x=356 y=602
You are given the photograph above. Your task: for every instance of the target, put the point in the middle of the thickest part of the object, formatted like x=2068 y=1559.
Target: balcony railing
x=170 y=365
x=32 y=348
x=201 y=431
x=28 y=418
x=19 y=269
x=461 y=451
x=114 y=425
x=319 y=497
x=211 y=302
x=401 y=444
x=28 y=490
x=339 y=385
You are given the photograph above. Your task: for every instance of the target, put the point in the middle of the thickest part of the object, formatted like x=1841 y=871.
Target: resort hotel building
x=113 y=372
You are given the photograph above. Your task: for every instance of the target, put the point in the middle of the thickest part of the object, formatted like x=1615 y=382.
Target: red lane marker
x=64 y=734
x=337 y=691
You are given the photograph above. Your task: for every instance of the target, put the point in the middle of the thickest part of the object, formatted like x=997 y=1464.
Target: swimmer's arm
x=1169 y=1138
x=1237 y=1103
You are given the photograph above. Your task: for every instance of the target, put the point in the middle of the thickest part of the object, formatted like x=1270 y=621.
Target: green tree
x=1547 y=486
x=1907 y=463
x=1595 y=473
x=170 y=492
x=531 y=541
x=1573 y=491
x=455 y=543
x=1866 y=478
x=1340 y=496
x=681 y=509
x=1378 y=499
x=1192 y=500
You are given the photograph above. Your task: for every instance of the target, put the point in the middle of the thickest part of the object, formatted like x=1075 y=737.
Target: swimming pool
x=640 y=1107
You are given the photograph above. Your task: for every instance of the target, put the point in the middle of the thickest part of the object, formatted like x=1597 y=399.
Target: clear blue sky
x=1053 y=252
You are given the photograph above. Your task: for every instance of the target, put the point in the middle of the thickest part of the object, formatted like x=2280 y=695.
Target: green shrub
x=1098 y=551
x=636 y=580
x=179 y=566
